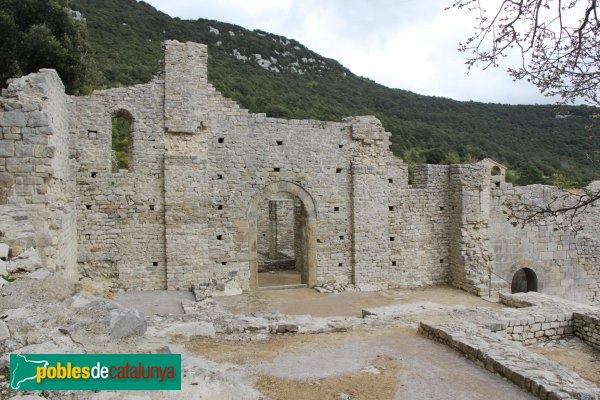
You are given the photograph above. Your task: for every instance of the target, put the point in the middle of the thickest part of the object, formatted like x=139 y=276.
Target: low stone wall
x=547 y=317
x=544 y=378
x=587 y=327
x=540 y=327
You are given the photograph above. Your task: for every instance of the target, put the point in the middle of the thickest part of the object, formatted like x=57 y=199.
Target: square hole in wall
x=93 y=174
x=391 y=208
x=220 y=207
x=441 y=260
x=341 y=237
x=392 y=238
x=441 y=208
x=318 y=240
x=151 y=207
x=223 y=263
x=276 y=169
x=88 y=206
x=155 y=263
x=219 y=176
x=280 y=143
x=340 y=264
x=394 y=263
x=336 y=209
x=390 y=180
x=341 y=146
x=88 y=237
x=338 y=170
x=219 y=237
x=221 y=140
x=497 y=184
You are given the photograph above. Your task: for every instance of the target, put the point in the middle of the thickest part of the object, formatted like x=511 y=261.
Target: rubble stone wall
x=587 y=327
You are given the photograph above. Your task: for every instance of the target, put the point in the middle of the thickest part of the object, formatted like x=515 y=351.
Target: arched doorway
x=282 y=221
x=524 y=280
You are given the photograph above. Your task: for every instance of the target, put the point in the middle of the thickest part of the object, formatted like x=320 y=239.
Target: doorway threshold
x=283 y=287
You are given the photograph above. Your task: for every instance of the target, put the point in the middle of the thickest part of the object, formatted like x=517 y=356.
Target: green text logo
x=95 y=371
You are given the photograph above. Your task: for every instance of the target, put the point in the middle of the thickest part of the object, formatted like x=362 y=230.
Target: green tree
x=43 y=34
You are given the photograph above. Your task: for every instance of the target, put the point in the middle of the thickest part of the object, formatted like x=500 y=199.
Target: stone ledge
x=544 y=378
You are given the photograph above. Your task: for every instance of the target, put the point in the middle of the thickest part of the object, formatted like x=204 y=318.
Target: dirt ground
x=394 y=363
x=373 y=363
x=309 y=301
x=574 y=354
x=266 y=279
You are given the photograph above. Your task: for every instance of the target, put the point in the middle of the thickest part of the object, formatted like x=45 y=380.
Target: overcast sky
x=406 y=44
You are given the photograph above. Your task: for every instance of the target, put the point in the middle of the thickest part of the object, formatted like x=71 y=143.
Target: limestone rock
x=102 y=305
x=40 y=274
x=28 y=261
x=4 y=249
x=191 y=330
x=27 y=397
x=231 y=288
x=15 y=251
x=126 y=322
x=4 y=332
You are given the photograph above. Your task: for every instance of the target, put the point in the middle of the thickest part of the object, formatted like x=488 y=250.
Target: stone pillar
x=471 y=257
x=186 y=165
x=272 y=231
x=36 y=171
x=186 y=84
x=371 y=238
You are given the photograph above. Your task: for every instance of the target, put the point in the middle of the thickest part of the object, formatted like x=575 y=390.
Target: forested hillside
x=281 y=77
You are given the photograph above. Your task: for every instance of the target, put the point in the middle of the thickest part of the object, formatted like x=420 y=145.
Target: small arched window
x=122 y=142
x=496 y=171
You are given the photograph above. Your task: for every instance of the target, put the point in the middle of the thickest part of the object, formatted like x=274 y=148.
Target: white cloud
x=407 y=44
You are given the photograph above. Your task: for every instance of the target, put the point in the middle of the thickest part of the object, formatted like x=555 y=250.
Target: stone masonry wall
x=201 y=168
x=556 y=256
x=36 y=172
x=120 y=216
x=587 y=327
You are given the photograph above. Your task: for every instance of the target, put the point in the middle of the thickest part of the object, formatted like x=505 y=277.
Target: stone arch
x=308 y=227
x=122 y=127
x=524 y=280
x=496 y=171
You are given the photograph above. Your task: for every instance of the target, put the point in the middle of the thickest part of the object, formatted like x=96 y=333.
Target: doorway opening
x=524 y=280
x=282 y=222
x=279 y=241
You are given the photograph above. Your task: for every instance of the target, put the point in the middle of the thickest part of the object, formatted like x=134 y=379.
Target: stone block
x=126 y=322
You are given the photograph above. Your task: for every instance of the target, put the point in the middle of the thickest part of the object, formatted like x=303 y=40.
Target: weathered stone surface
x=4 y=332
x=126 y=322
x=40 y=274
x=28 y=261
x=4 y=249
x=191 y=330
x=530 y=371
x=193 y=206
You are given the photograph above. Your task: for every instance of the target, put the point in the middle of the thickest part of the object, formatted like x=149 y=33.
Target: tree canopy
x=558 y=44
x=43 y=34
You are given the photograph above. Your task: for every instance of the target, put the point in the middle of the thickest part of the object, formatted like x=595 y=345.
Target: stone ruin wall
x=201 y=169
x=37 y=182
x=565 y=262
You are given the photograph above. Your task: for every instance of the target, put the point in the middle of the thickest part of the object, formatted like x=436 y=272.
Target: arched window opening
x=496 y=171
x=122 y=128
x=524 y=280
